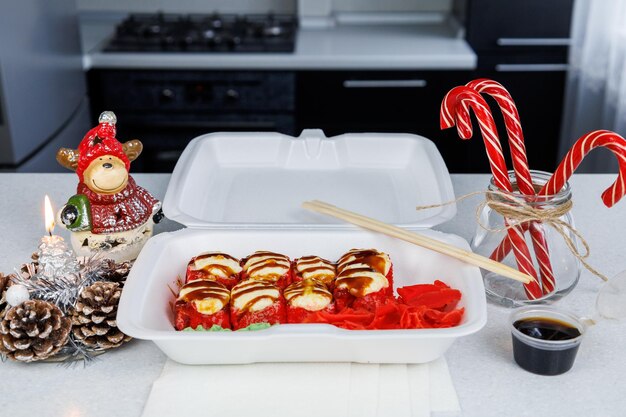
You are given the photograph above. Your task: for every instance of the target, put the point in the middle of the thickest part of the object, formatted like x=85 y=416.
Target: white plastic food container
x=259 y=180
x=241 y=192
x=145 y=313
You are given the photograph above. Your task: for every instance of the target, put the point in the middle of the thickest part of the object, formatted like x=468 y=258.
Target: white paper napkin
x=443 y=399
x=303 y=390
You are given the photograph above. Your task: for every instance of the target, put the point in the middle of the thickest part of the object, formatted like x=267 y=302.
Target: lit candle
x=49 y=223
x=54 y=256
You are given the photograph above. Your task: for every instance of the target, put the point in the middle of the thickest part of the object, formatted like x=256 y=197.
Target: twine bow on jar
x=520 y=210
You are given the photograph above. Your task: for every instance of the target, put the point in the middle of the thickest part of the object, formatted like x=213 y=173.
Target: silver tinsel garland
x=60 y=279
x=65 y=285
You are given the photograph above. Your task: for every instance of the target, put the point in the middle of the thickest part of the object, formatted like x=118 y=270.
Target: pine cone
x=33 y=330
x=29 y=269
x=94 y=316
x=5 y=281
x=115 y=272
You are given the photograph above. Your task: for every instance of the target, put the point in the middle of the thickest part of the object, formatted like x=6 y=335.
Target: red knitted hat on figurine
x=98 y=142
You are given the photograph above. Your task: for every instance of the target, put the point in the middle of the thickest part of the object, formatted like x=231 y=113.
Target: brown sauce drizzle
x=252 y=302
x=368 y=260
x=370 y=257
x=305 y=287
x=201 y=290
x=260 y=254
x=347 y=273
x=212 y=254
x=251 y=286
x=358 y=284
x=273 y=260
x=317 y=268
x=307 y=265
x=270 y=263
x=225 y=269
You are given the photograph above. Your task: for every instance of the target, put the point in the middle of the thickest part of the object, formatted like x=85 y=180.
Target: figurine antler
x=132 y=149
x=68 y=158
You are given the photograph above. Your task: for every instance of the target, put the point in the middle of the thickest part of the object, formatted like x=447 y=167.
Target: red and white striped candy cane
x=455 y=111
x=513 y=128
x=522 y=172
x=541 y=250
x=573 y=158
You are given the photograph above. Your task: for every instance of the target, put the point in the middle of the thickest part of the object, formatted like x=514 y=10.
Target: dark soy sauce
x=546 y=329
x=540 y=357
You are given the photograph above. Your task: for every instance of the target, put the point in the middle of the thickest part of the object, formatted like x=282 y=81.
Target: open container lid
x=259 y=180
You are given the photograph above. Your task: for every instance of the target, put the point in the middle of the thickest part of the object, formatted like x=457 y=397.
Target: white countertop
x=487 y=380
x=430 y=45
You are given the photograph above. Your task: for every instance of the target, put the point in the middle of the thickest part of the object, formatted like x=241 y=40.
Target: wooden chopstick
x=417 y=239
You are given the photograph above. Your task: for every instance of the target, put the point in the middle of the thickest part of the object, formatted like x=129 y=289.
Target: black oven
x=165 y=109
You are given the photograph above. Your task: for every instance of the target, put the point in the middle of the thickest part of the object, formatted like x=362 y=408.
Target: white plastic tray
x=259 y=180
x=144 y=310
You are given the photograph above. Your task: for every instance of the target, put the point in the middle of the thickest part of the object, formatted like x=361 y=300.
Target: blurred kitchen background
x=172 y=70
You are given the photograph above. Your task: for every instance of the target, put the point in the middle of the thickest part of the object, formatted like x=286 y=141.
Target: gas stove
x=204 y=33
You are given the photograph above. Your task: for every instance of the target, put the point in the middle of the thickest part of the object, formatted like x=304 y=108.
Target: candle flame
x=49 y=216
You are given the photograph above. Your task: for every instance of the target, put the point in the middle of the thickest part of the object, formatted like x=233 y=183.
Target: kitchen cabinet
x=387 y=101
x=538 y=92
x=168 y=108
x=518 y=26
x=409 y=102
x=524 y=46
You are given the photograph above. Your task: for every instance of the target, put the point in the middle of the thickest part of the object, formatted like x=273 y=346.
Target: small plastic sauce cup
x=539 y=355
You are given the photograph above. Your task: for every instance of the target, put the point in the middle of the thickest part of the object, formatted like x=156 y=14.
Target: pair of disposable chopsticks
x=417 y=239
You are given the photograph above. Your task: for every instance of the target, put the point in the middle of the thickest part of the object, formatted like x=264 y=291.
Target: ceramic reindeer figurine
x=109 y=212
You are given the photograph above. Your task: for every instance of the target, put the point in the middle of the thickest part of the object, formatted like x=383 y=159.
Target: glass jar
x=566 y=267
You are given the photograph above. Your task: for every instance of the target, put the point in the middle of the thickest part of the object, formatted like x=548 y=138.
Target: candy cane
x=568 y=165
x=522 y=171
x=541 y=250
x=455 y=111
x=514 y=130
x=573 y=158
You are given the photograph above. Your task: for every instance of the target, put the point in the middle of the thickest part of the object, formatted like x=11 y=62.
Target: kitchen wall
x=260 y=6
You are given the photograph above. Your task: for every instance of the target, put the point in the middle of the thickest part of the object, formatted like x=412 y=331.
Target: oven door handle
x=534 y=41
x=531 y=67
x=385 y=83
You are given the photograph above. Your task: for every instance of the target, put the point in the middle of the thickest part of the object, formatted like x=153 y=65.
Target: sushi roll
x=202 y=303
x=214 y=266
x=364 y=279
x=256 y=301
x=267 y=266
x=306 y=297
x=314 y=267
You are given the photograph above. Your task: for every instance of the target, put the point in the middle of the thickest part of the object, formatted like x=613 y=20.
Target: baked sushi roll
x=214 y=266
x=306 y=297
x=314 y=267
x=267 y=266
x=202 y=303
x=364 y=279
x=256 y=301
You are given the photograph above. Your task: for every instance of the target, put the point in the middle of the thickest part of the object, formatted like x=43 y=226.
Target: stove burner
x=204 y=33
